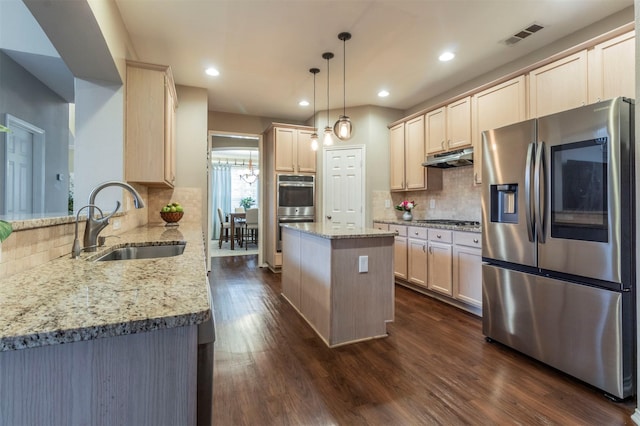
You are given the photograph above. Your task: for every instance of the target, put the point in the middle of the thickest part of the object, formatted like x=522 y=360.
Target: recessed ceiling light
x=212 y=72
x=446 y=56
x=383 y=93
x=303 y=103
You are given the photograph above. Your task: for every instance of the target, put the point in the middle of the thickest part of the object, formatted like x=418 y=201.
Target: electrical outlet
x=363 y=264
x=116 y=224
x=432 y=203
x=387 y=204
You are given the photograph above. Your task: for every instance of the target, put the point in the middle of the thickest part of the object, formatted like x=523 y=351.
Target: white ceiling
x=264 y=48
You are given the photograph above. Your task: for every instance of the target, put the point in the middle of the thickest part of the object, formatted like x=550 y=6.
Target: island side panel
x=361 y=303
x=142 y=379
x=315 y=282
x=291 y=262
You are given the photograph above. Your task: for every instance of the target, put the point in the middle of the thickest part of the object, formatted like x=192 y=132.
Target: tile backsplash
x=458 y=199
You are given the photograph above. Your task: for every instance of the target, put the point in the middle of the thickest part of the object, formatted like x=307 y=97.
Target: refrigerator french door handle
x=527 y=191
x=538 y=179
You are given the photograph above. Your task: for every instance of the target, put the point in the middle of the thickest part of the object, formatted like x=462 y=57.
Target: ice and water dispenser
x=504 y=203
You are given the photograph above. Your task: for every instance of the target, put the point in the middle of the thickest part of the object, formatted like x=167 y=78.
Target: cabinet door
x=558 y=86
x=170 y=136
x=400 y=257
x=439 y=268
x=498 y=106
x=612 y=68
x=306 y=155
x=436 y=128
x=396 y=157
x=414 y=154
x=284 y=145
x=459 y=124
x=467 y=275
x=417 y=261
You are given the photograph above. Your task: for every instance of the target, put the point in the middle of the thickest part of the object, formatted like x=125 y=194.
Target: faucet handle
x=106 y=218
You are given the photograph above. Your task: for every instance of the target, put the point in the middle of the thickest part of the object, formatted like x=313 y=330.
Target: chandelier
x=252 y=175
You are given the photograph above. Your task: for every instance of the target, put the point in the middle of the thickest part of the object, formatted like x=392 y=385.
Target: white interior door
x=343 y=194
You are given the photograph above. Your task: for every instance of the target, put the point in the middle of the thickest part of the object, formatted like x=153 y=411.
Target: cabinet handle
x=475 y=177
x=416 y=232
x=430 y=250
x=329 y=217
x=475 y=240
x=439 y=236
x=397 y=232
x=442 y=145
x=424 y=248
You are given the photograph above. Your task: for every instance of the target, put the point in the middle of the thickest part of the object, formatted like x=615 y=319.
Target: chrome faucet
x=94 y=226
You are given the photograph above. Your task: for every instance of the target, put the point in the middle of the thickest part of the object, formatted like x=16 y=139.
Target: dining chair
x=224 y=228
x=250 y=230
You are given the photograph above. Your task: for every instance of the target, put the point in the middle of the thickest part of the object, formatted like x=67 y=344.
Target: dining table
x=234 y=219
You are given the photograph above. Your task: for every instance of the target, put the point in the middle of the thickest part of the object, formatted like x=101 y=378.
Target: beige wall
x=251 y=124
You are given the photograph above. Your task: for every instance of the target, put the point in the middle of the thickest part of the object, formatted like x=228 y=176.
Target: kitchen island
x=111 y=342
x=339 y=279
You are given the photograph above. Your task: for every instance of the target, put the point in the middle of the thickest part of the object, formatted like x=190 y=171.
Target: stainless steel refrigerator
x=558 y=242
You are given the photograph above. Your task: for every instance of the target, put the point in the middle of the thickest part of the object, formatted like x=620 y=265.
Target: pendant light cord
x=328 y=90
x=344 y=76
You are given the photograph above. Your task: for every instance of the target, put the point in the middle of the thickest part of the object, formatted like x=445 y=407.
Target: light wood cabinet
x=417 y=255
x=440 y=261
x=400 y=266
x=467 y=268
x=612 y=68
x=449 y=128
x=286 y=149
x=559 y=86
x=293 y=151
x=498 y=106
x=150 y=142
x=406 y=155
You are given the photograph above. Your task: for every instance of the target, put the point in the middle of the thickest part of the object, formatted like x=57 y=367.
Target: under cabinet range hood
x=445 y=160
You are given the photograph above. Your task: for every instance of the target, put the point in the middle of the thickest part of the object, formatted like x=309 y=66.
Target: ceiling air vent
x=522 y=34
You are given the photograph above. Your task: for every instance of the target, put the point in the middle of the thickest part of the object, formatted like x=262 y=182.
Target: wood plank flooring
x=434 y=368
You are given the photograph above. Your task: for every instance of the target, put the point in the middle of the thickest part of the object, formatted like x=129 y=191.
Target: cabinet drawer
x=417 y=232
x=400 y=230
x=381 y=226
x=470 y=239
x=441 y=235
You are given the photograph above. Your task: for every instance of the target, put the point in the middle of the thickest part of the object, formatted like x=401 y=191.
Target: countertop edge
x=319 y=230
x=461 y=228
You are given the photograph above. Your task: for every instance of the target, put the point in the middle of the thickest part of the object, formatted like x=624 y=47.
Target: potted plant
x=247 y=202
x=406 y=207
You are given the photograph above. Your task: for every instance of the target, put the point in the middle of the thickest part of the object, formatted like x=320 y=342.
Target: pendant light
x=251 y=176
x=314 y=135
x=328 y=137
x=343 y=127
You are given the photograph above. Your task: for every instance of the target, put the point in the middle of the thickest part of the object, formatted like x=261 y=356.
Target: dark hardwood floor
x=434 y=368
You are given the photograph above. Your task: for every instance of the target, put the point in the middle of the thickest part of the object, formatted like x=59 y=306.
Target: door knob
x=329 y=217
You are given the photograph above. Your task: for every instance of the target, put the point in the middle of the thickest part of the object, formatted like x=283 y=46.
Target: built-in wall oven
x=296 y=199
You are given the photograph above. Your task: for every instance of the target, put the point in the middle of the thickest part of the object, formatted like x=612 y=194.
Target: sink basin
x=144 y=252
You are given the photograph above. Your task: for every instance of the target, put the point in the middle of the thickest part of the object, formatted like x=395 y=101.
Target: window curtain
x=221 y=197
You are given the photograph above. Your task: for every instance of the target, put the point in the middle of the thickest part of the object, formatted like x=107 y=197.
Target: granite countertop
x=68 y=300
x=337 y=232
x=465 y=228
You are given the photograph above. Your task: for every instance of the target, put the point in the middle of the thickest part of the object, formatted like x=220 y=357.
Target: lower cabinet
x=445 y=262
x=417 y=255
x=400 y=264
x=467 y=268
x=439 y=263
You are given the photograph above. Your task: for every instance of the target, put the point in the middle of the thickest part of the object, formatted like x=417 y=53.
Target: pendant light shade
x=343 y=127
x=314 y=135
x=328 y=136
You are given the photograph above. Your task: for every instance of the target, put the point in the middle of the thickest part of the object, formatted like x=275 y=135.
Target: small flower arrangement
x=406 y=206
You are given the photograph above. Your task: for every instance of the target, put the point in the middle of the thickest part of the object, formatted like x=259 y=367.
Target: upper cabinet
x=150 y=142
x=559 y=86
x=407 y=153
x=495 y=107
x=293 y=151
x=612 y=68
x=449 y=127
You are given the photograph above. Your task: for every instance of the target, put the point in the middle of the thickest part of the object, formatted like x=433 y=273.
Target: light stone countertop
x=464 y=228
x=340 y=232
x=68 y=300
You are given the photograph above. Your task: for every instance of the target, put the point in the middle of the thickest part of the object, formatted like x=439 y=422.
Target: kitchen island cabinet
x=112 y=342
x=340 y=280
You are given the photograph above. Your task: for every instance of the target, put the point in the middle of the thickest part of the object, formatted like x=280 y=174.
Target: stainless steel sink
x=143 y=252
